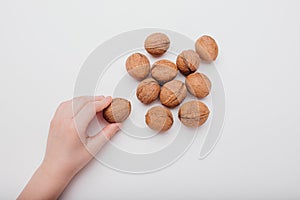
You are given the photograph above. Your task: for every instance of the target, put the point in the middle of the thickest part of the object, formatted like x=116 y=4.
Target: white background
x=44 y=43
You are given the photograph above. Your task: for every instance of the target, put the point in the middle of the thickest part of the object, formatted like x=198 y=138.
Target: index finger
x=88 y=112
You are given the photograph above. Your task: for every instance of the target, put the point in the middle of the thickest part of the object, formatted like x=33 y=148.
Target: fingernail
x=103 y=101
x=98 y=98
x=108 y=98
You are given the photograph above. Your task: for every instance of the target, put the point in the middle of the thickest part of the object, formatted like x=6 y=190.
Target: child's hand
x=69 y=148
x=67 y=142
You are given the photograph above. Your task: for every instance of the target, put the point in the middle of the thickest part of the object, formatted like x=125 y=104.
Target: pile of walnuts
x=163 y=85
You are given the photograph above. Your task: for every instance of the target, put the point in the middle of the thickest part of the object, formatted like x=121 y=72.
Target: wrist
x=55 y=173
x=46 y=183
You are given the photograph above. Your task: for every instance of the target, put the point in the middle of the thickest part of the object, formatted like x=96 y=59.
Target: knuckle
x=86 y=98
x=71 y=125
x=82 y=99
x=63 y=104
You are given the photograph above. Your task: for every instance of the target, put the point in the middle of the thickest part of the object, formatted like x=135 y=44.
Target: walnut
x=193 y=113
x=172 y=93
x=148 y=91
x=138 y=66
x=207 y=48
x=117 y=111
x=188 y=62
x=164 y=71
x=198 y=84
x=157 y=44
x=159 y=118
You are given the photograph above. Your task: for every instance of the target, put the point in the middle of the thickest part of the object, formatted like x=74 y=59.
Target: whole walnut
x=159 y=118
x=117 y=111
x=172 y=93
x=198 y=84
x=193 y=113
x=157 y=44
x=148 y=91
x=138 y=66
x=207 y=48
x=188 y=62
x=164 y=71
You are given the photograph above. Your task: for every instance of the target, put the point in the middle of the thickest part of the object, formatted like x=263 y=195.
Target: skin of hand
x=69 y=148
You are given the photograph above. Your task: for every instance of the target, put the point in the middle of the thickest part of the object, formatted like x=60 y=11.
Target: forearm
x=45 y=184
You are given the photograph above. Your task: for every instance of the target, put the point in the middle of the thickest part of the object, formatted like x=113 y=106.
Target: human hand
x=69 y=148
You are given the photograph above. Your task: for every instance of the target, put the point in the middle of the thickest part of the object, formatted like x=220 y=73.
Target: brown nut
x=159 y=118
x=198 y=84
x=188 y=62
x=193 y=113
x=207 y=48
x=172 y=93
x=117 y=111
x=138 y=66
x=148 y=91
x=164 y=71
x=157 y=44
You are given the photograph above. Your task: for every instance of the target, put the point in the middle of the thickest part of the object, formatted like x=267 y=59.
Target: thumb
x=96 y=142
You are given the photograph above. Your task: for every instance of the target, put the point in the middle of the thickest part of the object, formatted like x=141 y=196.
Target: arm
x=69 y=148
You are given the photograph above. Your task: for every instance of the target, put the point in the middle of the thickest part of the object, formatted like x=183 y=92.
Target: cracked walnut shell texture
x=193 y=113
x=207 y=48
x=164 y=71
x=159 y=118
x=173 y=93
x=117 y=111
x=188 y=62
x=198 y=84
x=138 y=66
x=148 y=91
x=157 y=44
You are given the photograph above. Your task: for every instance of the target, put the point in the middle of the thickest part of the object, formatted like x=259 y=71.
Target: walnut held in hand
x=138 y=66
x=198 y=84
x=172 y=93
x=159 y=118
x=164 y=71
x=157 y=44
x=188 y=62
x=148 y=91
x=117 y=111
x=193 y=113
x=207 y=48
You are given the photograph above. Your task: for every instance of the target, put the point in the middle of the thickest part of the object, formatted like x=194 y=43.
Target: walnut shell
x=188 y=62
x=117 y=111
x=159 y=118
x=164 y=71
x=207 y=48
x=148 y=91
x=157 y=44
x=193 y=113
x=198 y=84
x=172 y=93
x=138 y=66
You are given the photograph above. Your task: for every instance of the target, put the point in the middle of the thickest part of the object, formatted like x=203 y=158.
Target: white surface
x=44 y=43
